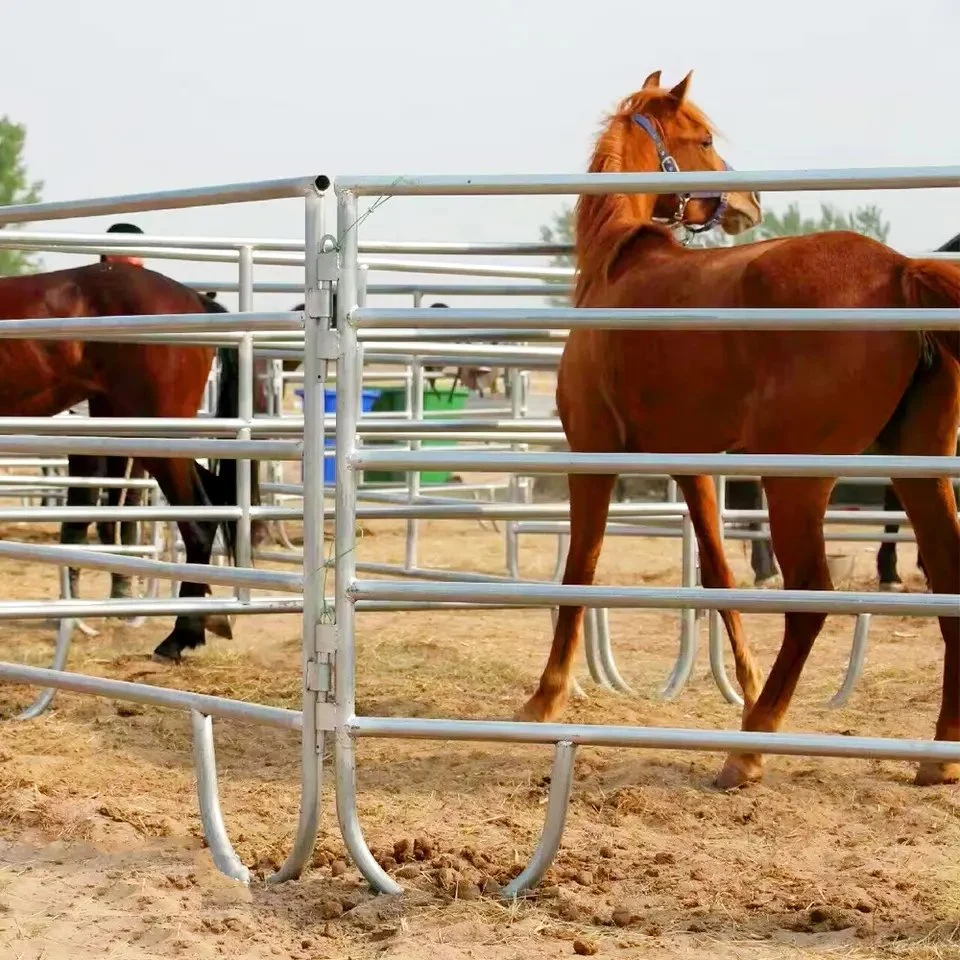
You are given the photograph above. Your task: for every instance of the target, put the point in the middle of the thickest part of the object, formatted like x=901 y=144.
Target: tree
x=867 y=220
x=559 y=231
x=15 y=187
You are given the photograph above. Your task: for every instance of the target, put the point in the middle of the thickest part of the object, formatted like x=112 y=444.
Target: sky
x=124 y=96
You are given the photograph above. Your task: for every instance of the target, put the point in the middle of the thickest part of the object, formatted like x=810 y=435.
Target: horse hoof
x=740 y=770
x=536 y=710
x=219 y=625
x=932 y=774
x=167 y=653
x=892 y=587
x=773 y=582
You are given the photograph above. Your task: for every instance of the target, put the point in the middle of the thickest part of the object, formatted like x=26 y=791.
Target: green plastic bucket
x=439 y=402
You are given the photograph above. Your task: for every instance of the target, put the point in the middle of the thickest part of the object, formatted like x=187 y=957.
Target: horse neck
x=601 y=221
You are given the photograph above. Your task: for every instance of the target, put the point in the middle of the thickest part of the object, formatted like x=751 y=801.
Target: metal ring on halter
x=669 y=165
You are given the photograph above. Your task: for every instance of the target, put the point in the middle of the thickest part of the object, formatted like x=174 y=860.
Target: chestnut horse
x=745 y=495
x=761 y=392
x=43 y=378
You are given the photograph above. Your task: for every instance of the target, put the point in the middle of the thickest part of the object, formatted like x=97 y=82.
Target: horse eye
x=708 y=143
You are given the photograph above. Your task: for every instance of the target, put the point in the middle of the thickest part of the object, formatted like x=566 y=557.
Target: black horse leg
x=74 y=532
x=748 y=495
x=180 y=481
x=887 y=554
x=121 y=585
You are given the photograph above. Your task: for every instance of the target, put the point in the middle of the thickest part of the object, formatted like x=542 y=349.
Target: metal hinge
x=319 y=680
x=328 y=265
x=328 y=345
x=321 y=675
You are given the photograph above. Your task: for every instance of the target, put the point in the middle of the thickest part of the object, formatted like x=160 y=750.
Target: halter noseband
x=669 y=165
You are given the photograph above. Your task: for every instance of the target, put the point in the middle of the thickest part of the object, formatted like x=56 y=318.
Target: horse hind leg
x=927 y=425
x=797 y=506
x=748 y=495
x=887 y=574
x=932 y=508
x=179 y=480
x=121 y=584
x=74 y=532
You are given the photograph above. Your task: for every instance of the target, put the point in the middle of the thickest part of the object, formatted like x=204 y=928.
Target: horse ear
x=652 y=81
x=680 y=90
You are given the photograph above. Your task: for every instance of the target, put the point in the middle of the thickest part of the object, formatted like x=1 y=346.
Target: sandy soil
x=101 y=854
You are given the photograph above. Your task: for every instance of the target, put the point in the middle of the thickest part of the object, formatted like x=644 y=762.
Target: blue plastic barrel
x=367 y=399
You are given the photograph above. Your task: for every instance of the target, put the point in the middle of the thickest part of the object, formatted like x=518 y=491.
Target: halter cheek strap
x=669 y=165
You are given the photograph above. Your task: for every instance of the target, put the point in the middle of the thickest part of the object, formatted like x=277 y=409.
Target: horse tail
x=932 y=283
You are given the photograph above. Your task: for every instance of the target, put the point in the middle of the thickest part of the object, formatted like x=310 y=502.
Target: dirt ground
x=101 y=852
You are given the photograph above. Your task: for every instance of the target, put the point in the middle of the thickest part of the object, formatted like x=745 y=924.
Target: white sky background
x=136 y=95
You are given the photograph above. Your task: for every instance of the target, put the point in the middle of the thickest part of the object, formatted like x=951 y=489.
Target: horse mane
x=602 y=219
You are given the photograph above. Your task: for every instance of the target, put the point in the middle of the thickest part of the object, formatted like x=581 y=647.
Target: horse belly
x=689 y=394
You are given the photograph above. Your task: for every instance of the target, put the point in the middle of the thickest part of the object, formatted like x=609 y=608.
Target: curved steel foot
x=45 y=697
x=591 y=648
x=717 y=666
x=684 y=666
x=308 y=825
x=858 y=654
x=205 y=764
x=688 y=619
x=607 y=660
x=60 y=653
x=346 y=771
x=561 y=783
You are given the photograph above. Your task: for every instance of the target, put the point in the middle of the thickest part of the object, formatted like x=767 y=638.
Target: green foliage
x=867 y=220
x=560 y=230
x=15 y=187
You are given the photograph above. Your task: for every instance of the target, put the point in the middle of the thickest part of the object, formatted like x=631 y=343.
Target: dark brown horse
x=760 y=392
x=42 y=378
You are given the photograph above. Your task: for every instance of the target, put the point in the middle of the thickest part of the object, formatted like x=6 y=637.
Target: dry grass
x=102 y=854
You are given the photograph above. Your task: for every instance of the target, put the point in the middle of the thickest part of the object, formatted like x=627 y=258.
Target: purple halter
x=669 y=165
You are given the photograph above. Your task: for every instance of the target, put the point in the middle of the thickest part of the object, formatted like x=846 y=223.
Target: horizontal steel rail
x=679 y=464
x=768 y=320
x=700 y=181
x=278 y=717
x=39 y=482
x=146 y=427
x=51 y=241
x=164 y=200
x=156 y=447
x=668 y=598
x=74 y=328
x=97 y=514
x=443 y=335
x=400 y=289
x=656 y=738
x=173 y=607
x=194 y=572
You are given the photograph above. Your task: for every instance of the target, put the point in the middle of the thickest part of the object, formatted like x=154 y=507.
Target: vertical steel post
x=514 y=484
x=315 y=680
x=349 y=384
x=414 y=397
x=245 y=412
x=413 y=478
